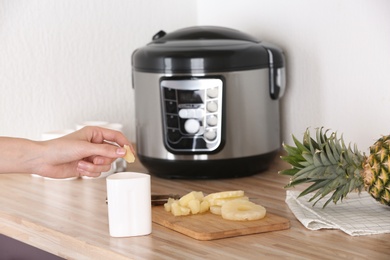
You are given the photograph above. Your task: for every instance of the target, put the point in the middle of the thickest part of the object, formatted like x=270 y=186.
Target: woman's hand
x=85 y=152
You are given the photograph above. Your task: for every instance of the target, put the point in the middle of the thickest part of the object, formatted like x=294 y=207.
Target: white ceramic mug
x=129 y=204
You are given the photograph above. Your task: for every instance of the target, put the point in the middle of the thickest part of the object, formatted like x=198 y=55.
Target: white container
x=129 y=204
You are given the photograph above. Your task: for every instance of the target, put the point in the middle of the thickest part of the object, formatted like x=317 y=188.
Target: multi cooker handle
x=277 y=71
x=159 y=35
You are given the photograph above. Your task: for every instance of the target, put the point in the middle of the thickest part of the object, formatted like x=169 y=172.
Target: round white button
x=199 y=113
x=192 y=126
x=183 y=113
x=212 y=120
x=212 y=106
x=191 y=113
x=212 y=92
x=210 y=135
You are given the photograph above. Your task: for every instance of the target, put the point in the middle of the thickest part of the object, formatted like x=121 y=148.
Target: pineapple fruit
x=129 y=156
x=331 y=166
x=231 y=205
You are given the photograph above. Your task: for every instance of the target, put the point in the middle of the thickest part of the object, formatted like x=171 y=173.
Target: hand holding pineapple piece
x=231 y=205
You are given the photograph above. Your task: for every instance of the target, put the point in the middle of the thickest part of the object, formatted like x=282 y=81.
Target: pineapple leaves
x=327 y=163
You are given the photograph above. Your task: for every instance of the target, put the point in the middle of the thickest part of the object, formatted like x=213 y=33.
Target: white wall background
x=67 y=61
x=338 y=60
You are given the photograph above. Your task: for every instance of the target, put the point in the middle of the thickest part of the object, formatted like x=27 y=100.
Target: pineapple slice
x=220 y=202
x=129 y=156
x=242 y=210
x=224 y=195
x=216 y=210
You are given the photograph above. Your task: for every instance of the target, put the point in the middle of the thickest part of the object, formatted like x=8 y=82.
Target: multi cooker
x=207 y=103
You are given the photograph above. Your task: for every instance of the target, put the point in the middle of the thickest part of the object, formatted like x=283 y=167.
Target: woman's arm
x=18 y=155
x=82 y=153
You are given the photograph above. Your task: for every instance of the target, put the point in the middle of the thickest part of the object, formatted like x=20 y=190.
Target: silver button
x=210 y=134
x=199 y=113
x=212 y=106
x=212 y=92
x=191 y=113
x=183 y=113
x=192 y=126
x=212 y=120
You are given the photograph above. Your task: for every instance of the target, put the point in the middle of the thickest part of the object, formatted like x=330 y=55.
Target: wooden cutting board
x=209 y=226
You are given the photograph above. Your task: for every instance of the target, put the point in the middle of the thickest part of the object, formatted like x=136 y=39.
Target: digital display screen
x=189 y=97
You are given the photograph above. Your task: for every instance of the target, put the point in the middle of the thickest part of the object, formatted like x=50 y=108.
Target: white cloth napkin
x=356 y=215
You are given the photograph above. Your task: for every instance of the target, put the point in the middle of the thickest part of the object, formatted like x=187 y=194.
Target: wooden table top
x=69 y=219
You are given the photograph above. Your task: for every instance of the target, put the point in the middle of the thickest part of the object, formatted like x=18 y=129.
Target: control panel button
x=172 y=121
x=183 y=113
x=171 y=107
x=192 y=126
x=210 y=134
x=173 y=135
x=199 y=113
x=191 y=113
x=212 y=120
x=212 y=106
x=170 y=93
x=212 y=92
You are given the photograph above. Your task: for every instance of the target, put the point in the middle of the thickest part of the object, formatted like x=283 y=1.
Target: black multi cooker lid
x=203 y=49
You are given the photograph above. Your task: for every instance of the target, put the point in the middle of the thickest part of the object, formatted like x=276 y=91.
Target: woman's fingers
x=98 y=135
x=88 y=168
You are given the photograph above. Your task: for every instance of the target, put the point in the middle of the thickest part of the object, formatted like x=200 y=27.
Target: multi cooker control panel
x=192 y=114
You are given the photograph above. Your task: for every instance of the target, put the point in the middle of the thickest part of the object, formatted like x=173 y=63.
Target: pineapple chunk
x=194 y=206
x=129 y=156
x=242 y=210
x=178 y=210
x=231 y=205
x=204 y=206
x=167 y=205
x=189 y=203
x=193 y=195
